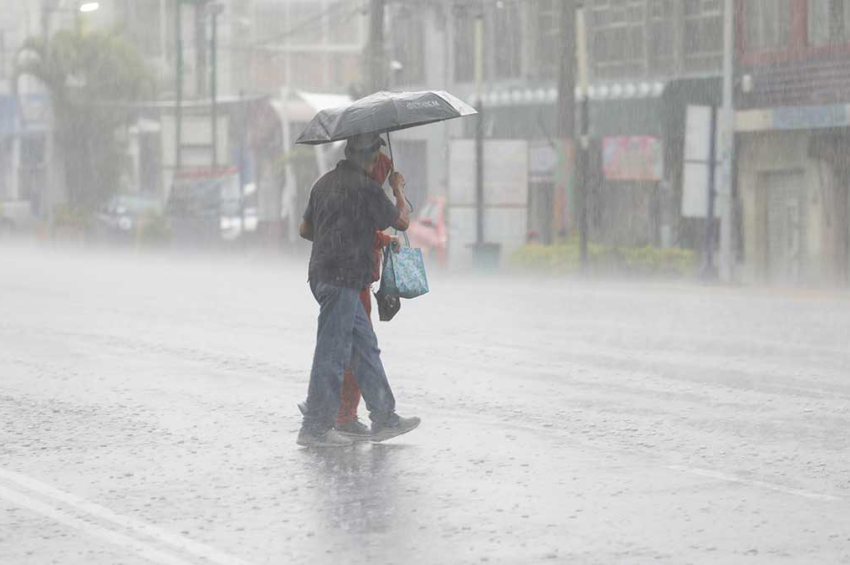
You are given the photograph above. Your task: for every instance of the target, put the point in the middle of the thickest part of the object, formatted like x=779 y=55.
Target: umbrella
x=383 y=112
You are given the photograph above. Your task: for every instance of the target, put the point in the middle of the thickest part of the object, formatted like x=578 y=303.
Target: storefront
x=626 y=195
x=626 y=162
x=793 y=178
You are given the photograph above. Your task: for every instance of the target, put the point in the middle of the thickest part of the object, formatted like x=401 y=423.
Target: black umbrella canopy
x=383 y=112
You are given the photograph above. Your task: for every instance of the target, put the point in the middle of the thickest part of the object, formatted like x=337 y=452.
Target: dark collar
x=346 y=164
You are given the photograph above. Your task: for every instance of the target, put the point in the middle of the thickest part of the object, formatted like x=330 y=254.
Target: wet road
x=148 y=416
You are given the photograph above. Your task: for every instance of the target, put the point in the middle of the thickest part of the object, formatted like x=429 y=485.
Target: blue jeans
x=345 y=336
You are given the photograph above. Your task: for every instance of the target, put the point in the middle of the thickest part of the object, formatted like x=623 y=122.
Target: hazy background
x=603 y=377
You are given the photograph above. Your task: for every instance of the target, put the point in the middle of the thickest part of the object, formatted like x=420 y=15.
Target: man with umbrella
x=345 y=209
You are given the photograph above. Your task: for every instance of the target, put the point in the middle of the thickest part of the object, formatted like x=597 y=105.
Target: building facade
x=649 y=59
x=309 y=45
x=22 y=116
x=794 y=140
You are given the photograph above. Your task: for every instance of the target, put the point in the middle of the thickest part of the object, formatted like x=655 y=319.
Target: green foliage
x=92 y=79
x=72 y=218
x=71 y=224
x=153 y=230
x=564 y=257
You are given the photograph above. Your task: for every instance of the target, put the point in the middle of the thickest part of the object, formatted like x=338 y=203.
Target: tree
x=93 y=79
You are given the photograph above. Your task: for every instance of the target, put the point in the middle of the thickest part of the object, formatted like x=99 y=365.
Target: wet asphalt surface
x=148 y=409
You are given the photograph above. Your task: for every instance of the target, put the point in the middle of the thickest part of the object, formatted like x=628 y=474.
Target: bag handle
x=406 y=239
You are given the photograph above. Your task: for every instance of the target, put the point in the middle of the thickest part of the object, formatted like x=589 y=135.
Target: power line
x=307 y=24
x=266 y=43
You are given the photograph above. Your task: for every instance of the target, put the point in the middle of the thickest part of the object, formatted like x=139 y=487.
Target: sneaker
x=395 y=427
x=354 y=429
x=330 y=438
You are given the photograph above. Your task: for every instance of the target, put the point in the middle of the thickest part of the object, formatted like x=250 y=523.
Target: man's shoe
x=330 y=438
x=355 y=430
x=394 y=427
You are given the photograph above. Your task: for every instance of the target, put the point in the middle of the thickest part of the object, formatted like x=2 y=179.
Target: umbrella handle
x=390 y=146
x=392 y=166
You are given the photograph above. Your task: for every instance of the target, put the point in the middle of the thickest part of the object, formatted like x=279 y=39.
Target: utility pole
x=199 y=14
x=375 y=49
x=584 y=137
x=566 y=108
x=215 y=12
x=479 y=131
x=199 y=6
x=3 y=52
x=243 y=134
x=178 y=87
x=708 y=270
x=163 y=35
x=46 y=197
x=727 y=259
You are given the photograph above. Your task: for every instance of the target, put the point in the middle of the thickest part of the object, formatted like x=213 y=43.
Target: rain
x=583 y=269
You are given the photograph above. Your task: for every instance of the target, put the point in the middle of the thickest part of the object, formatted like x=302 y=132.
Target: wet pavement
x=148 y=416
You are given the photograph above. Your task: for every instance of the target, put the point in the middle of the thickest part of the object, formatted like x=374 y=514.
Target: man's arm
x=306 y=230
x=403 y=220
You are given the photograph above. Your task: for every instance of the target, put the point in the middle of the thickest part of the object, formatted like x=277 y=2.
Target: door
x=785 y=226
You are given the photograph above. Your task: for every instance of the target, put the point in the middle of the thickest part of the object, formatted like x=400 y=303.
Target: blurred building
x=794 y=141
x=303 y=55
x=213 y=81
x=23 y=118
x=309 y=45
x=277 y=62
x=649 y=59
x=268 y=62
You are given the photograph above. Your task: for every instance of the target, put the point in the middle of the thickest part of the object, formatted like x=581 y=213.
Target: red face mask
x=381 y=169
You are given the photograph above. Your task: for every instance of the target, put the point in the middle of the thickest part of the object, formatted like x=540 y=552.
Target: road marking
x=179 y=542
x=115 y=538
x=762 y=484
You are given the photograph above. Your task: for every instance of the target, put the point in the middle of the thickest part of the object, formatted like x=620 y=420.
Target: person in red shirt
x=347 y=422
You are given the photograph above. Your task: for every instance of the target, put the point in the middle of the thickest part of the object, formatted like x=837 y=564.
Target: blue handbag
x=404 y=272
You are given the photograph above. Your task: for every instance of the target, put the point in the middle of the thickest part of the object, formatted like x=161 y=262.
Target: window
x=662 y=35
x=703 y=32
x=829 y=22
x=617 y=30
x=547 y=44
x=142 y=20
x=767 y=24
x=345 y=23
x=306 y=22
x=33 y=150
x=271 y=22
x=507 y=43
x=301 y=22
x=409 y=47
x=309 y=70
x=346 y=69
x=464 y=44
x=503 y=32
